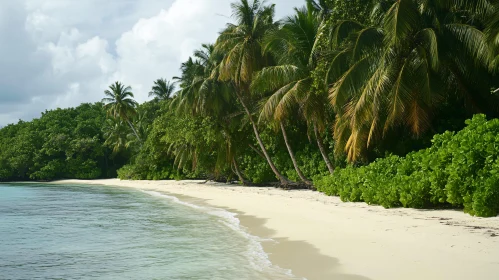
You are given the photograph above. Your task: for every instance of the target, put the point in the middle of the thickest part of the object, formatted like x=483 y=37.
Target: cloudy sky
x=60 y=53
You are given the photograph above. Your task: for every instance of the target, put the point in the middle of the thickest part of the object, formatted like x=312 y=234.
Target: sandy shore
x=320 y=237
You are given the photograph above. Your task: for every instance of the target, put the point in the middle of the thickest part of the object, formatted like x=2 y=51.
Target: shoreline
x=320 y=237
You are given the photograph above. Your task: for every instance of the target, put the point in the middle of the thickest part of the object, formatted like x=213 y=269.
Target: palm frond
x=474 y=41
x=273 y=77
x=401 y=21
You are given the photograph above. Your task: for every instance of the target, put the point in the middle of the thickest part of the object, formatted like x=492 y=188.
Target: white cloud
x=155 y=47
x=70 y=51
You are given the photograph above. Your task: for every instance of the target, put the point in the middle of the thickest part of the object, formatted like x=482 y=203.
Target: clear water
x=94 y=232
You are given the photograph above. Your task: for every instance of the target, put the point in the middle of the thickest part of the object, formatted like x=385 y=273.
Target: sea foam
x=259 y=260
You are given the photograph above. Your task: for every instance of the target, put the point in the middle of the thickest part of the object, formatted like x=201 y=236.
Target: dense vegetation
x=63 y=143
x=459 y=169
x=311 y=99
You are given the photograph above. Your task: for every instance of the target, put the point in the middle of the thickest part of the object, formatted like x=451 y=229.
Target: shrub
x=459 y=170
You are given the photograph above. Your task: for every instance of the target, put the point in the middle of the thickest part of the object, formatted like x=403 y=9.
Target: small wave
x=173 y=198
x=258 y=258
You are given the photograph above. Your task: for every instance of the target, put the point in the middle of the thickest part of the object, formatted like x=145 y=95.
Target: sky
x=60 y=53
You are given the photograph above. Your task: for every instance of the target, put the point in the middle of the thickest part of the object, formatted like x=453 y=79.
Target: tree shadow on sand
x=304 y=259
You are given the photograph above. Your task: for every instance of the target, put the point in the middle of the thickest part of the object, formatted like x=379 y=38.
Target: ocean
x=97 y=232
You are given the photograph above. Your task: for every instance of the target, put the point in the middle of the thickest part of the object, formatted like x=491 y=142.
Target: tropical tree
x=203 y=94
x=121 y=105
x=140 y=124
x=162 y=89
x=115 y=134
x=285 y=80
x=421 y=55
x=323 y=8
x=243 y=56
x=290 y=81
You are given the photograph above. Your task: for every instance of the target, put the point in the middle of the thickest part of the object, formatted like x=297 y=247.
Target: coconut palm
x=185 y=98
x=162 y=89
x=243 y=56
x=291 y=80
x=121 y=105
x=320 y=7
x=398 y=73
x=140 y=125
x=203 y=94
x=115 y=134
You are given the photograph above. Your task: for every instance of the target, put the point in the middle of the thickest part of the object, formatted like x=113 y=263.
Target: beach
x=320 y=237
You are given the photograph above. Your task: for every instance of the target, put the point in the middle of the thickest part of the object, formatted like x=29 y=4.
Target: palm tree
x=291 y=80
x=162 y=89
x=240 y=45
x=120 y=104
x=140 y=125
x=398 y=72
x=203 y=94
x=320 y=7
x=115 y=134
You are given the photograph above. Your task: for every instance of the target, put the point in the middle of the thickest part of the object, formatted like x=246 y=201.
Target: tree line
x=351 y=81
x=335 y=84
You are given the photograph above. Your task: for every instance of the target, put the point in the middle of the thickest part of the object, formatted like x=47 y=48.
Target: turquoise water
x=94 y=232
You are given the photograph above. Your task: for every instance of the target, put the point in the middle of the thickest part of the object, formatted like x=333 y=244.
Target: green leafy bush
x=62 y=143
x=459 y=170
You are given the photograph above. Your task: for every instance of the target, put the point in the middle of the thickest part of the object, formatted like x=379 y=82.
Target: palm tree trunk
x=282 y=179
x=257 y=151
x=134 y=131
x=323 y=151
x=106 y=162
x=292 y=155
x=238 y=172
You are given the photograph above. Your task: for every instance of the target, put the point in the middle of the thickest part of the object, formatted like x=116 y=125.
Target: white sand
x=323 y=238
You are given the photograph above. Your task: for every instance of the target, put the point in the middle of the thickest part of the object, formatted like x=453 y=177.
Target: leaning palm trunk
x=282 y=179
x=257 y=151
x=323 y=151
x=238 y=172
x=292 y=155
x=134 y=131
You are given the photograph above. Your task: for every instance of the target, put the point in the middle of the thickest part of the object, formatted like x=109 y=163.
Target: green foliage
x=369 y=80
x=459 y=170
x=256 y=169
x=176 y=147
x=63 y=143
x=310 y=161
x=162 y=89
x=403 y=67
